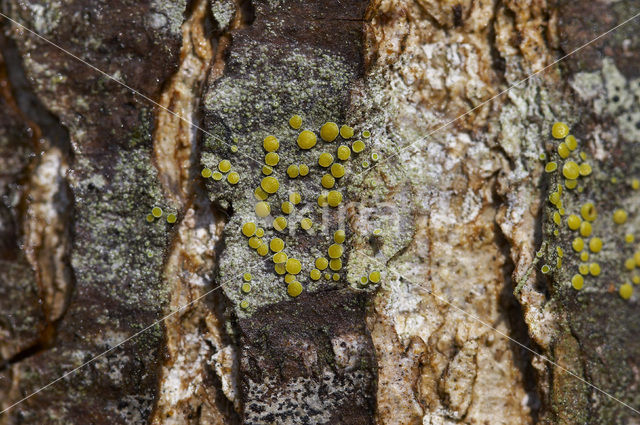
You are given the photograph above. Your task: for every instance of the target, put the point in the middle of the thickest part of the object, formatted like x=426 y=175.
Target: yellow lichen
x=571 y=142
x=588 y=211
x=630 y=263
x=217 y=176
x=263 y=209
x=619 y=216
x=577 y=244
x=280 y=257
x=629 y=238
x=293 y=266
x=571 y=184
x=255 y=242
x=329 y=131
x=260 y=194
x=583 y=269
x=551 y=167
x=357 y=146
x=560 y=130
x=295 y=198
x=266 y=170
x=585 y=169
x=594 y=269
x=626 y=291
x=595 y=244
x=337 y=170
x=315 y=274
x=206 y=173
x=585 y=229
x=270 y=184
x=295 y=122
x=325 y=159
x=570 y=170
x=563 y=150
x=335 y=264
x=321 y=263
x=557 y=219
x=245 y=288
x=270 y=144
x=335 y=250
x=343 y=152
x=334 y=198
x=584 y=256
x=346 y=132
x=280 y=223
x=293 y=171
x=573 y=221
x=339 y=236
x=306 y=223
x=577 y=282
x=328 y=181
x=276 y=245
x=303 y=169
x=294 y=289
x=307 y=139
x=272 y=159
x=233 y=177
x=286 y=207
x=374 y=277
x=224 y=166
x=249 y=229
x=262 y=250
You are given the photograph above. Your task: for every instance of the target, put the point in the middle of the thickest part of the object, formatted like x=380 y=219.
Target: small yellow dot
x=288 y=278
x=280 y=257
x=626 y=291
x=357 y=146
x=635 y=279
x=571 y=184
x=280 y=268
x=270 y=184
x=262 y=250
x=542 y=156
x=585 y=169
x=584 y=256
x=233 y=149
x=557 y=219
x=295 y=122
x=280 y=223
x=560 y=130
x=150 y=218
x=335 y=277
x=583 y=269
x=570 y=170
x=206 y=173
x=556 y=232
x=630 y=263
x=295 y=198
x=249 y=229
x=293 y=171
x=322 y=201
x=588 y=211
x=619 y=216
x=325 y=159
x=339 y=236
x=629 y=238
x=364 y=280
x=335 y=264
x=554 y=198
x=328 y=181
x=577 y=244
x=614 y=180
x=293 y=266
x=307 y=139
x=329 y=131
x=276 y=245
x=374 y=156
x=595 y=244
x=636 y=257
x=346 y=132
x=337 y=170
x=335 y=251
x=247 y=277
x=260 y=194
x=244 y=304
x=233 y=177
x=263 y=209
x=585 y=229
x=217 y=176
x=583 y=156
x=306 y=223
x=287 y=207
x=246 y=288
x=266 y=170
x=374 y=277
x=577 y=282
x=558 y=263
x=321 y=263
x=571 y=142
x=327 y=275
x=635 y=184
x=156 y=212
x=272 y=158
x=551 y=167
x=343 y=152
x=315 y=274
x=224 y=166
x=270 y=144
x=259 y=232
x=594 y=269
x=303 y=169
x=294 y=289
x=573 y=221
x=563 y=150
x=255 y=242
x=334 y=198
x=545 y=269
x=366 y=134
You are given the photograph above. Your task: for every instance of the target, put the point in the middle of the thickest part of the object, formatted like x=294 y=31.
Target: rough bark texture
x=455 y=217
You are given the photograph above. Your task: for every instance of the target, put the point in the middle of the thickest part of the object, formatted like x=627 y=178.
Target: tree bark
x=460 y=201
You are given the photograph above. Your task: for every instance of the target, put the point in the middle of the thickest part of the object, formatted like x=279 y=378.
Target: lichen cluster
x=577 y=217
x=280 y=210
